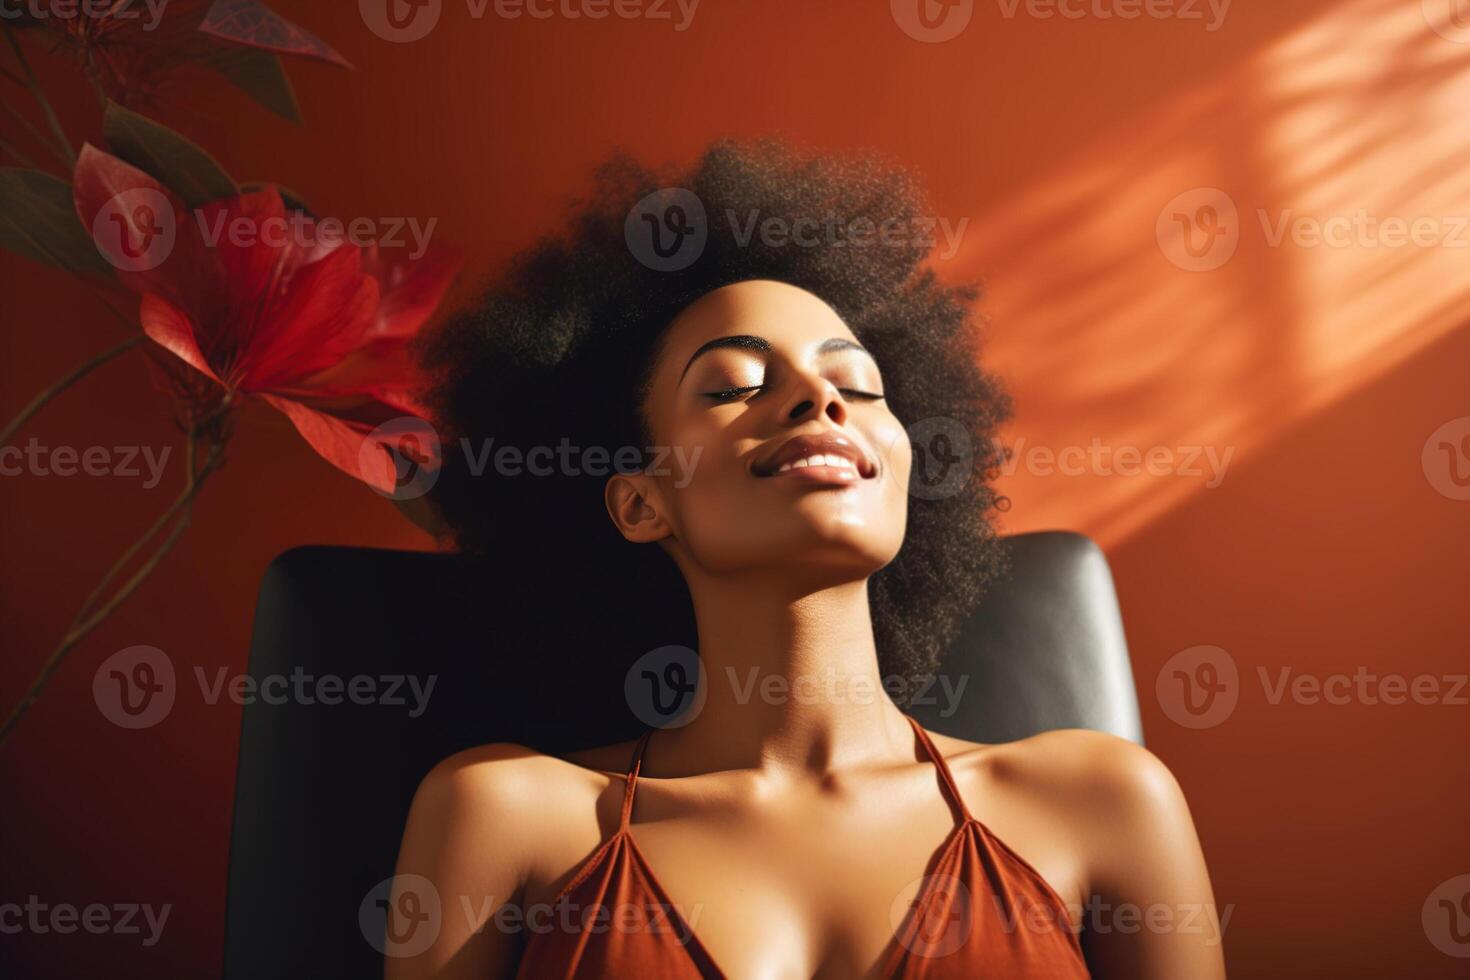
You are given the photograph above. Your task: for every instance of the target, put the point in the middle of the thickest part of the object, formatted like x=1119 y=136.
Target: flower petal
x=412 y=288
x=171 y=328
x=378 y=365
x=135 y=222
x=316 y=323
x=341 y=444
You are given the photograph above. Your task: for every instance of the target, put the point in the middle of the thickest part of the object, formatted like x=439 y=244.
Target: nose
x=814 y=396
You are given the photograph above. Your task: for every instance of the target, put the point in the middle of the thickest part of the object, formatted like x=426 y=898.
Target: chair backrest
x=342 y=722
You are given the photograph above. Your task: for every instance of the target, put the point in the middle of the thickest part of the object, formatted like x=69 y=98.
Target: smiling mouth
x=821 y=466
x=827 y=459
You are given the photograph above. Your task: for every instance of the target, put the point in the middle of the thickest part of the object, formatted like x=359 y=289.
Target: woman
x=770 y=834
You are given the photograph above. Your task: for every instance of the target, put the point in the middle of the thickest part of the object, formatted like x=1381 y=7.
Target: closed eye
x=727 y=394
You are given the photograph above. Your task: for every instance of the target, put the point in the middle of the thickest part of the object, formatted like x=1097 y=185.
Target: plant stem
x=80 y=372
x=83 y=623
x=94 y=77
x=18 y=156
x=36 y=134
x=180 y=503
x=34 y=86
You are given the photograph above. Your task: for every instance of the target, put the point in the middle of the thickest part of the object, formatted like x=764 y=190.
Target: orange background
x=1323 y=370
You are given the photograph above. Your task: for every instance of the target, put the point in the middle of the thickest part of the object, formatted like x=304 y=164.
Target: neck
x=791 y=682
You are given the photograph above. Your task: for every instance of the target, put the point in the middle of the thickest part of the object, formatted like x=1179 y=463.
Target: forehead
x=789 y=317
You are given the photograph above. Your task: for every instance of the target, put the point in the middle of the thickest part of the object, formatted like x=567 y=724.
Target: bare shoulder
x=503 y=798
x=1070 y=765
x=1116 y=815
x=505 y=778
x=1115 y=802
x=490 y=826
x=1105 y=769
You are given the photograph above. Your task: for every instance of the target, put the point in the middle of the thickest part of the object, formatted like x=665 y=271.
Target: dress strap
x=945 y=776
x=631 y=780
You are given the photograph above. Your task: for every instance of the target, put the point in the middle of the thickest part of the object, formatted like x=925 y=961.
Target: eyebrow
x=747 y=341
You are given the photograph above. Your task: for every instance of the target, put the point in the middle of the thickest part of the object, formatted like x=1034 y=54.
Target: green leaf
x=39 y=221
x=173 y=160
x=258 y=74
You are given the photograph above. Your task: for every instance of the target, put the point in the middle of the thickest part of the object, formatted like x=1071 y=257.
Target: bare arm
x=1152 y=912
x=465 y=851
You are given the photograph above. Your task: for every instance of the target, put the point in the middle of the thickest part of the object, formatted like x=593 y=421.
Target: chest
x=806 y=891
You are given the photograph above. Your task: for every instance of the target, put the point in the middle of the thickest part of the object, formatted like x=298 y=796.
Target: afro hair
x=559 y=349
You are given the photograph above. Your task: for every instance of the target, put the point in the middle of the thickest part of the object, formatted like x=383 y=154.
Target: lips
x=801 y=452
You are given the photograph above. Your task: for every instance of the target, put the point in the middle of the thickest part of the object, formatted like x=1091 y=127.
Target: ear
x=632 y=504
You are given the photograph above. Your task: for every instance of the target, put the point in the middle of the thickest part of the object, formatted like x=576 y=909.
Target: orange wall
x=1321 y=370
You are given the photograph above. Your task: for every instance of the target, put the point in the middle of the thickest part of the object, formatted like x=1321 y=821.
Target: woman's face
x=782 y=454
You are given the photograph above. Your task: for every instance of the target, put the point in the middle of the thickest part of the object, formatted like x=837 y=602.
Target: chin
x=842 y=552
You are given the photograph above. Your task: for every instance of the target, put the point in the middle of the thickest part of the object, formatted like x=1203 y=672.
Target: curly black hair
x=560 y=349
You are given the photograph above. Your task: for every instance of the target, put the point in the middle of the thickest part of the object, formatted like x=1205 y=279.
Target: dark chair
x=331 y=752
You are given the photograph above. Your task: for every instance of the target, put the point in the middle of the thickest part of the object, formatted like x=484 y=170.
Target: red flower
x=259 y=302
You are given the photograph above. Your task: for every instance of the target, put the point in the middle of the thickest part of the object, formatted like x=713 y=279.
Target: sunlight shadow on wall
x=1175 y=296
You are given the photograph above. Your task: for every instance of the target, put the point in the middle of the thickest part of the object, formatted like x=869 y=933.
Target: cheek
x=703 y=477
